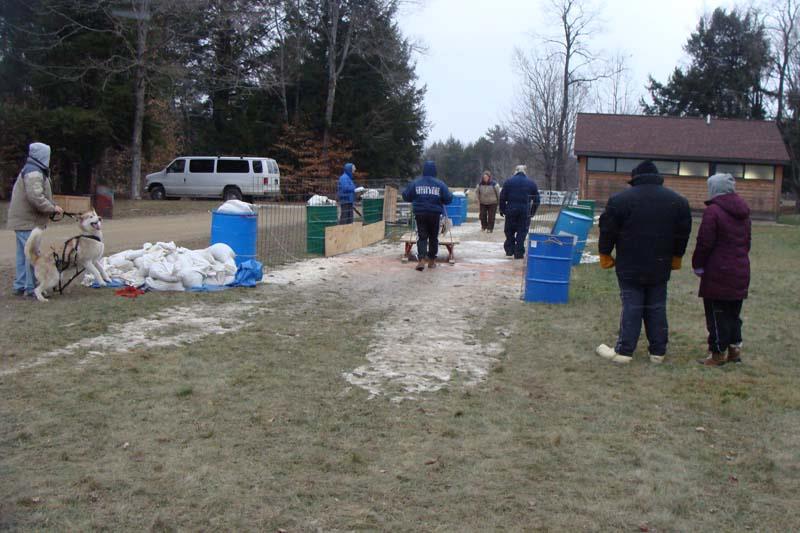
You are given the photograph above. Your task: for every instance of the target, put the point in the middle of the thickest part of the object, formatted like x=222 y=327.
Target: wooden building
x=686 y=151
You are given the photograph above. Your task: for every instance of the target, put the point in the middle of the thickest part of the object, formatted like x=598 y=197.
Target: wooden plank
x=390 y=204
x=342 y=239
x=372 y=233
x=412 y=237
x=73 y=204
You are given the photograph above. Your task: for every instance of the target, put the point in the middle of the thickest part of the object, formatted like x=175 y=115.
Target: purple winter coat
x=723 y=245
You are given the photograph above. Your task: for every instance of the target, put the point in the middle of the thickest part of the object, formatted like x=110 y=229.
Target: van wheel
x=157 y=193
x=231 y=193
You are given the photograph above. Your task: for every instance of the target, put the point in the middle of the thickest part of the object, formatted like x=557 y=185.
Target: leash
x=55 y=217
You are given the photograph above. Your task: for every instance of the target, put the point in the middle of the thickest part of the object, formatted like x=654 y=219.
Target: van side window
x=273 y=167
x=201 y=165
x=257 y=168
x=177 y=166
x=235 y=166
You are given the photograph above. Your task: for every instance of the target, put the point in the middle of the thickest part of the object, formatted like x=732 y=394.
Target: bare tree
x=576 y=24
x=613 y=94
x=781 y=22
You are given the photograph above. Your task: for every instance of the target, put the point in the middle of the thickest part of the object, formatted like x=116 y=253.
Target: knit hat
x=645 y=168
x=520 y=169
x=720 y=184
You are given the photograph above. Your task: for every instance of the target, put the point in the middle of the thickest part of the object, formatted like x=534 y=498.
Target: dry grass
x=258 y=431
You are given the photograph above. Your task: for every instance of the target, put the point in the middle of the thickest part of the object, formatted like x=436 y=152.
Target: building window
x=600 y=164
x=667 y=167
x=626 y=165
x=233 y=166
x=735 y=170
x=759 y=172
x=201 y=165
x=694 y=168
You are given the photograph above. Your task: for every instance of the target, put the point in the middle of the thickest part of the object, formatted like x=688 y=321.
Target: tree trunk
x=562 y=123
x=139 y=109
x=333 y=15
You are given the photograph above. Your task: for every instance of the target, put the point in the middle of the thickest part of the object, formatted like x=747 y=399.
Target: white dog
x=83 y=251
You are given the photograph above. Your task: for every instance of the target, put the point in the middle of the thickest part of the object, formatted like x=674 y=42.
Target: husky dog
x=83 y=251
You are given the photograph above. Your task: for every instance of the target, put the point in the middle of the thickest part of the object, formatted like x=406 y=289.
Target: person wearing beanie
x=31 y=205
x=721 y=260
x=346 y=194
x=519 y=200
x=648 y=225
x=488 y=195
x=428 y=196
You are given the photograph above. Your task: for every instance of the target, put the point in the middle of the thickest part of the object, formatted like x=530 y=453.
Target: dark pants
x=427 y=235
x=516 y=229
x=346 y=214
x=643 y=302
x=724 y=323
x=488 y=213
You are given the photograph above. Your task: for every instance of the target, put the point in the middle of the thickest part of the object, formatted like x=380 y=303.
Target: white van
x=229 y=178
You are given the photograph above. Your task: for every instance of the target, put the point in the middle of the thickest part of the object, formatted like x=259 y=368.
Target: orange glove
x=606 y=261
x=676 y=262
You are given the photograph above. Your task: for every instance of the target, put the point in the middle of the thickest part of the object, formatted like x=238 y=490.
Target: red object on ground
x=129 y=292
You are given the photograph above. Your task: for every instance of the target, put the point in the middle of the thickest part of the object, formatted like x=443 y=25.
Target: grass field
x=255 y=429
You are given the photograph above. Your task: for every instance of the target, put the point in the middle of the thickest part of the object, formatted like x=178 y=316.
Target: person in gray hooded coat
x=31 y=205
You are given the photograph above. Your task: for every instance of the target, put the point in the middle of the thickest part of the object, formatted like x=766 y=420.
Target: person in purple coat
x=721 y=259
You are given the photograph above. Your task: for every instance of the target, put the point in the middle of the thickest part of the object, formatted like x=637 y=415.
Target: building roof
x=686 y=138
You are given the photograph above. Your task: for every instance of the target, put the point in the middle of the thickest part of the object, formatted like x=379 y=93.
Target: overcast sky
x=468 y=64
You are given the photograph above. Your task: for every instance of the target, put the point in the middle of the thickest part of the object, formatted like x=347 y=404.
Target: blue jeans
x=23 y=279
x=646 y=303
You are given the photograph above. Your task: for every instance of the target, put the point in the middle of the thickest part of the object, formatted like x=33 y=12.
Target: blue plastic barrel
x=571 y=223
x=454 y=212
x=548 y=269
x=238 y=231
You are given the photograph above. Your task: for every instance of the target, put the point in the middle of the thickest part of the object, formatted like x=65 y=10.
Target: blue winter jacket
x=519 y=195
x=428 y=194
x=347 y=189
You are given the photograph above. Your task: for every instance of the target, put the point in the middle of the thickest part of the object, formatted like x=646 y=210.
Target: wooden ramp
x=349 y=237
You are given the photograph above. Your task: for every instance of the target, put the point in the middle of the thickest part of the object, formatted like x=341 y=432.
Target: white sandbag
x=163 y=272
x=190 y=278
x=320 y=200
x=236 y=207
x=221 y=252
x=459 y=193
x=371 y=194
x=158 y=285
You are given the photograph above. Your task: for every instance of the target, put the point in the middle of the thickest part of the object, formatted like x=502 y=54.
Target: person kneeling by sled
x=649 y=225
x=427 y=195
x=519 y=201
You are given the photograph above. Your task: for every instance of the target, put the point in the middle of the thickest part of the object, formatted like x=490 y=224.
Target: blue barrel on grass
x=548 y=269
x=571 y=223
x=239 y=231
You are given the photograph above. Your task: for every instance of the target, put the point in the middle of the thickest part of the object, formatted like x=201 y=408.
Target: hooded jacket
x=347 y=189
x=520 y=195
x=723 y=247
x=648 y=224
x=488 y=193
x=32 y=196
x=428 y=194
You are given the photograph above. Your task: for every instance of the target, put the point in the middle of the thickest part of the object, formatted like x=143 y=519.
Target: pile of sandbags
x=163 y=266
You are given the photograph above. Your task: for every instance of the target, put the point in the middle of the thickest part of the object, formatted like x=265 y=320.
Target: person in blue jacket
x=347 y=194
x=519 y=201
x=427 y=195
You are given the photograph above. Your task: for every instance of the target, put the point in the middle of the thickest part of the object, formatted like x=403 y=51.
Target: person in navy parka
x=428 y=195
x=347 y=194
x=519 y=201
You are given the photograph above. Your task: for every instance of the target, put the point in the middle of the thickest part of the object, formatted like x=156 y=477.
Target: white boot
x=609 y=353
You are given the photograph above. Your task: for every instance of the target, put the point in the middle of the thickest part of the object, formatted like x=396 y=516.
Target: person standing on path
x=428 y=196
x=721 y=259
x=31 y=205
x=649 y=225
x=346 y=194
x=488 y=194
x=518 y=202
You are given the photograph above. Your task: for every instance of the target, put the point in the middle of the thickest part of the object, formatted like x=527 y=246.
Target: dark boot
x=431 y=263
x=420 y=265
x=713 y=359
x=734 y=354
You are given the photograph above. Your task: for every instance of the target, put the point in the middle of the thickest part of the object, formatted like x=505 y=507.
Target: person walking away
x=518 y=202
x=488 y=194
x=649 y=226
x=428 y=196
x=721 y=259
x=347 y=194
x=31 y=205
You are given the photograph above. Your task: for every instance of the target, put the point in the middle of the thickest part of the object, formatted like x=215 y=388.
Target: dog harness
x=67 y=260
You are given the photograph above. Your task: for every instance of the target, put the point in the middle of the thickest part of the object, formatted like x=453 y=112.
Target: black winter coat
x=648 y=225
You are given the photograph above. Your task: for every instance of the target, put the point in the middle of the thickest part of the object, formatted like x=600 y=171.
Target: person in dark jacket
x=649 y=226
x=427 y=195
x=347 y=194
x=721 y=259
x=519 y=201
